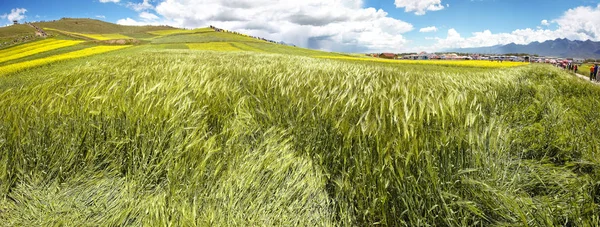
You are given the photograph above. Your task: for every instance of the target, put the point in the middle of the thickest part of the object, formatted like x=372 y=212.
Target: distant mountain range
x=563 y=48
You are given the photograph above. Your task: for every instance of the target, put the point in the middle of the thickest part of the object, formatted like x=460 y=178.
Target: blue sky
x=469 y=16
x=345 y=25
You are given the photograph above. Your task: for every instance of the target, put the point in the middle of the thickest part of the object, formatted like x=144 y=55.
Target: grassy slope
x=204 y=37
x=173 y=39
x=8 y=34
x=86 y=26
x=16 y=30
x=185 y=138
x=241 y=42
x=91 y=26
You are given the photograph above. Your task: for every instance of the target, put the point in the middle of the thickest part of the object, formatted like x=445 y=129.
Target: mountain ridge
x=556 y=48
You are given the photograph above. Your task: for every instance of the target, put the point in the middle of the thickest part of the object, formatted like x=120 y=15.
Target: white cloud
x=420 y=7
x=428 y=29
x=129 y=21
x=101 y=16
x=545 y=22
x=114 y=1
x=148 y=16
x=15 y=14
x=334 y=25
x=145 y=5
x=581 y=23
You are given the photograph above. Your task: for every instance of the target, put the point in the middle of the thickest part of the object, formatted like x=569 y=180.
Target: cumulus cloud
x=428 y=29
x=334 y=25
x=420 y=7
x=145 y=18
x=148 y=16
x=145 y=5
x=114 y=1
x=129 y=21
x=15 y=14
x=545 y=22
x=581 y=23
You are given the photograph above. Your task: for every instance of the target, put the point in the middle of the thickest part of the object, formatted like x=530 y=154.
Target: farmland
x=39 y=47
x=217 y=129
x=91 y=36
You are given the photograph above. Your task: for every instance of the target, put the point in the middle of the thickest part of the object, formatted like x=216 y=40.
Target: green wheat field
x=161 y=134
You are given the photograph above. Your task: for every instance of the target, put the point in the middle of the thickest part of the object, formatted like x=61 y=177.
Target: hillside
x=206 y=127
x=557 y=48
x=75 y=28
x=10 y=33
x=91 y=26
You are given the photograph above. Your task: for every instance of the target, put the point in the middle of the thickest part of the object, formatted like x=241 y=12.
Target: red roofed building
x=387 y=55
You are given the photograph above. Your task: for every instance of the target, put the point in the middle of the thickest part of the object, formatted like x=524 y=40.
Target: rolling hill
x=96 y=32
x=556 y=48
x=91 y=26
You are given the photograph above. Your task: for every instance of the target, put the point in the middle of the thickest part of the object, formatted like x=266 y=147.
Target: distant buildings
x=15 y=22
x=387 y=55
x=462 y=56
x=474 y=56
x=411 y=57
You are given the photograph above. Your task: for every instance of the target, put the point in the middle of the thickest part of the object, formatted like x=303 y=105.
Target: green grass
x=288 y=50
x=241 y=42
x=204 y=37
x=10 y=33
x=140 y=36
x=7 y=34
x=175 y=46
x=155 y=137
x=90 y=26
x=180 y=31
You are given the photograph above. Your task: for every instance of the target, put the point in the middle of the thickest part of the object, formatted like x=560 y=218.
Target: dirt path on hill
x=40 y=31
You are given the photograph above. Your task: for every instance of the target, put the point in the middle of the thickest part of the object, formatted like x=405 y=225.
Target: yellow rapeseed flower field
x=25 y=47
x=75 y=54
x=48 y=46
x=471 y=63
x=215 y=46
x=245 y=47
x=106 y=36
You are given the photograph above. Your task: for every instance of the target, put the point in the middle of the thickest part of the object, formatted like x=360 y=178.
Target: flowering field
x=36 y=49
x=75 y=54
x=106 y=36
x=245 y=47
x=459 y=63
x=25 y=47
